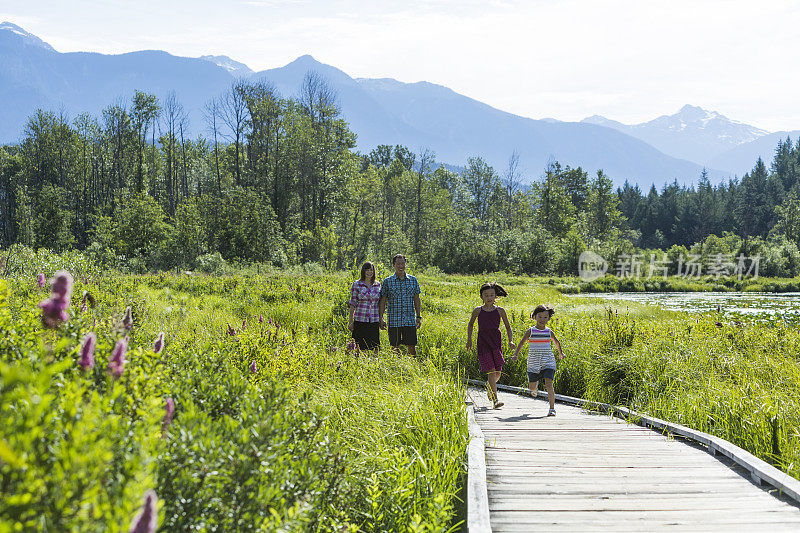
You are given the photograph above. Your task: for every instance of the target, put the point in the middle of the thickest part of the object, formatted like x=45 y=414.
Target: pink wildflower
x=159 y=344
x=62 y=284
x=54 y=311
x=169 y=410
x=116 y=364
x=146 y=520
x=41 y=280
x=260 y=319
x=253 y=367
x=54 y=308
x=127 y=320
x=244 y=324
x=87 y=351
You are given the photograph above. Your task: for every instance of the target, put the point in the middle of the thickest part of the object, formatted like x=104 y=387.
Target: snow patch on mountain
x=235 y=68
x=28 y=38
x=692 y=133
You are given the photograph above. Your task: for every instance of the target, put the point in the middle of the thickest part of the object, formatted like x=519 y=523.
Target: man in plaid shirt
x=401 y=292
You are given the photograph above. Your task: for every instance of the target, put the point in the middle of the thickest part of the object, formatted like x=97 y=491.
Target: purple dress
x=490 y=350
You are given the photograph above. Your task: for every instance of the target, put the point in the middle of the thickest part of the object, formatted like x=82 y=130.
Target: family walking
x=399 y=297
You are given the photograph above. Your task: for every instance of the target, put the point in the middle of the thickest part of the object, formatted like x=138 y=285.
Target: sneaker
x=551 y=412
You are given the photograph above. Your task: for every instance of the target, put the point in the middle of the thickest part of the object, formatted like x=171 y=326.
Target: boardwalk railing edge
x=477 y=491
x=760 y=471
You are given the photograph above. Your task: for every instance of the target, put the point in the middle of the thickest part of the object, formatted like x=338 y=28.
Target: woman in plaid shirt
x=364 y=320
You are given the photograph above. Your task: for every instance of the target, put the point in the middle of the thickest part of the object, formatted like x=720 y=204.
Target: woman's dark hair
x=540 y=308
x=364 y=268
x=498 y=289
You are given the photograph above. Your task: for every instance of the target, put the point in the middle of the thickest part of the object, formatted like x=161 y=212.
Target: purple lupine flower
x=54 y=311
x=54 y=308
x=87 y=351
x=253 y=367
x=127 y=320
x=41 y=280
x=244 y=324
x=116 y=364
x=62 y=284
x=231 y=331
x=146 y=520
x=260 y=319
x=169 y=410
x=159 y=344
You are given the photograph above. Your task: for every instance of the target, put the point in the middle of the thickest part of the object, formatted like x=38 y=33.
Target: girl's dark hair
x=364 y=268
x=498 y=289
x=540 y=308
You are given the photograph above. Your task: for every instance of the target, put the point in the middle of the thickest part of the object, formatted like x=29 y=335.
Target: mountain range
x=384 y=111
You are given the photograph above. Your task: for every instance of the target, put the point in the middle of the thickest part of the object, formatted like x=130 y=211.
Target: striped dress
x=540 y=355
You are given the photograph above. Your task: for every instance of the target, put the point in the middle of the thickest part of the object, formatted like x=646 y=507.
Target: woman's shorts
x=544 y=373
x=367 y=335
x=491 y=360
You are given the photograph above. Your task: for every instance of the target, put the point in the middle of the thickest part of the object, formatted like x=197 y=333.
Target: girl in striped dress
x=541 y=362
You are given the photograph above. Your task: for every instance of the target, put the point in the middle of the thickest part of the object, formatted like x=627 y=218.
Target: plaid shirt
x=399 y=295
x=365 y=301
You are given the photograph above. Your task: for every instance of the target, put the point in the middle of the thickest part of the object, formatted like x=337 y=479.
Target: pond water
x=733 y=304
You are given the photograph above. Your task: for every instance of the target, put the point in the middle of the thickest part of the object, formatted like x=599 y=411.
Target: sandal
x=551 y=412
x=498 y=404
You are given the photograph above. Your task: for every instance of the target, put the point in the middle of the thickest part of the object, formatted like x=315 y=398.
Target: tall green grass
x=317 y=437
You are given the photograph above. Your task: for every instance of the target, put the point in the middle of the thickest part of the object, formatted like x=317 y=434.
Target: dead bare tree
x=511 y=181
x=234 y=114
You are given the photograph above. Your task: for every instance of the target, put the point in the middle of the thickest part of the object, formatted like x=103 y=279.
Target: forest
x=277 y=180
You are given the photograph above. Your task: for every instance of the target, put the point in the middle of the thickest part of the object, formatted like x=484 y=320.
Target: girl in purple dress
x=490 y=347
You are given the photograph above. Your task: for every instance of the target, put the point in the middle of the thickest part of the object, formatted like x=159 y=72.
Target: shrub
x=210 y=263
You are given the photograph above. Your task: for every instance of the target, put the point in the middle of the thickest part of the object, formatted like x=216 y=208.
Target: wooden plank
x=775 y=526
x=643 y=517
x=477 y=492
x=557 y=503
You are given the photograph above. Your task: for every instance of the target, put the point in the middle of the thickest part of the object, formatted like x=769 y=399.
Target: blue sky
x=625 y=59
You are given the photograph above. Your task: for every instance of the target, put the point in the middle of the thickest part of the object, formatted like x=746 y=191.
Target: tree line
x=276 y=179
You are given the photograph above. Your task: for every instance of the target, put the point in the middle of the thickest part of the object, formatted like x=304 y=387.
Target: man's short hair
x=396 y=257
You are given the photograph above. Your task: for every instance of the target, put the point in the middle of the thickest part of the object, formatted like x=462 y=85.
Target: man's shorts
x=406 y=335
x=544 y=373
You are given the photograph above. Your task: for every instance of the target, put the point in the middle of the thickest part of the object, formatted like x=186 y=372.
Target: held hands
x=511 y=345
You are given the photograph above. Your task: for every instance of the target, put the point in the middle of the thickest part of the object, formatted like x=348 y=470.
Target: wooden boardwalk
x=583 y=471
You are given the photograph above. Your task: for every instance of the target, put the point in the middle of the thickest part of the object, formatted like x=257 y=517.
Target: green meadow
x=279 y=426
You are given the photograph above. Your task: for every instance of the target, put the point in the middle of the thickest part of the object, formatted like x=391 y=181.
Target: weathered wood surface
x=583 y=471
